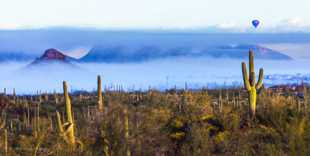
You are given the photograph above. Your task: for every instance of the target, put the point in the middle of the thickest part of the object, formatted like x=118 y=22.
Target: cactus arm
x=59 y=123
x=260 y=79
x=245 y=77
x=251 y=61
x=60 y=127
x=69 y=128
x=79 y=142
x=251 y=67
x=66 y=124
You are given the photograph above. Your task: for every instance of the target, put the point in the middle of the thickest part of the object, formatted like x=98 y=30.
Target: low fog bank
x=159 y=74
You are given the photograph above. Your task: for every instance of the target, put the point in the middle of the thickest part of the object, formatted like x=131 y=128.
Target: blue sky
x=275 y=15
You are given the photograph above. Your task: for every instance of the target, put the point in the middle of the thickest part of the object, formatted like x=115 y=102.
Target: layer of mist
x=159 y=74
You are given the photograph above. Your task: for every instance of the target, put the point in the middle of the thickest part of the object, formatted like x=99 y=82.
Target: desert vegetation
x=250 y=120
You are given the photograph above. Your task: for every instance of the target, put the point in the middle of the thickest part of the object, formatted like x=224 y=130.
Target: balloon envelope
x=255 y=23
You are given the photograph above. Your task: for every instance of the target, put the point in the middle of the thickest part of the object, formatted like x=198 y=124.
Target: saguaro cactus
x=67 y=129
x=14 y=96
x=126 y=131
x=100 y=99
x=106 y=144
x=14 y=92
x=6 y=142
x=249 y=82
x=55 y=97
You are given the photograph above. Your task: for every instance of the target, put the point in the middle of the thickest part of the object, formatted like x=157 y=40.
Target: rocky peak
x=53 y=54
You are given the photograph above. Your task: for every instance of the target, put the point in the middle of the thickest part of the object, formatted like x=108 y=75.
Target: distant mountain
x=145 y=53
x=124 y=54
x=52 y=57
x=53 y=67
x=241 y=51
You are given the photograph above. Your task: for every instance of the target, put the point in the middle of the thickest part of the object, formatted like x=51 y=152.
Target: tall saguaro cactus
x=249 y=82
x=67 y=129
x=126 y=131
x=55 y=97
x=6 y=142
x=99 y=90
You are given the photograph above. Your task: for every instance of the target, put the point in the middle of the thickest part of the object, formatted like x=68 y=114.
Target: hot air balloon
x=255 y=23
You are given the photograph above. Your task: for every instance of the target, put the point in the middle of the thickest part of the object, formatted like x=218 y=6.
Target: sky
x=285 y=15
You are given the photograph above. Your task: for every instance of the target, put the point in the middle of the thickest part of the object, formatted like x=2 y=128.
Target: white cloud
x=228 y=25
x=296 y=22
x=77 y=52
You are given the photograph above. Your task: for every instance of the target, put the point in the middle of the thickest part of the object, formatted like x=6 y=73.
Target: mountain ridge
x=122 y=54
x=141 y=53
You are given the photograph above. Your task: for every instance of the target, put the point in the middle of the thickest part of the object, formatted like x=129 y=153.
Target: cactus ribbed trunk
x=252 y=100
x=106 y=144
x=126 y=131
x=14 y=92
x=14 y=96
x=70 y=129
x=55 y=97
x=6 y=142
x=38 y=118
x=99 y=91
x=249 y=82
